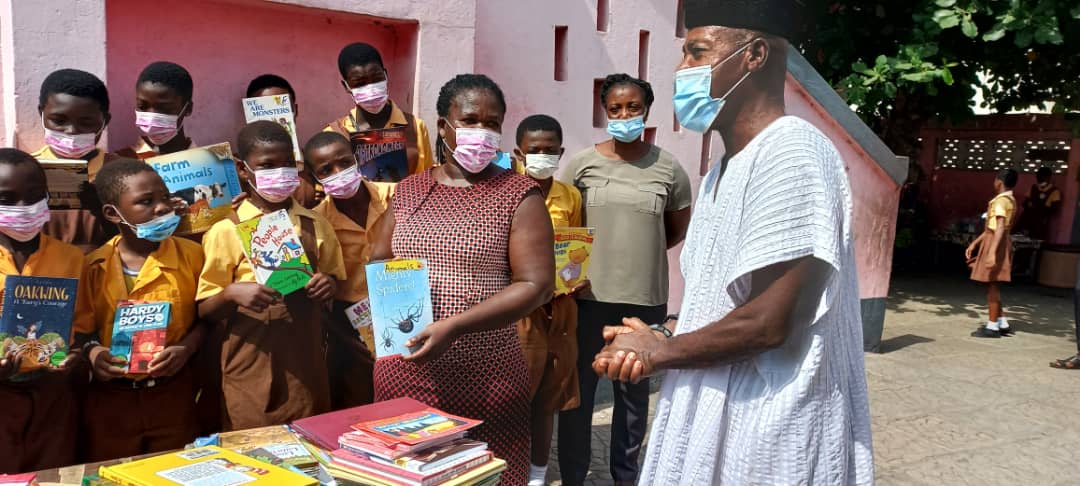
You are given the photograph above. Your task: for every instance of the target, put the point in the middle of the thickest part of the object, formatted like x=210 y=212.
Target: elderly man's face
x=718 y=47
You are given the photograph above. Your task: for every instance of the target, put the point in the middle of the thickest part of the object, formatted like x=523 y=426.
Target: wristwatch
x=672 y=317
x=661 y=329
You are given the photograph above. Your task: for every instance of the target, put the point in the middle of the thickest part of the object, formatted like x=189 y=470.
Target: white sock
x=993 y=326
x=1003 y=323
x=537 y=474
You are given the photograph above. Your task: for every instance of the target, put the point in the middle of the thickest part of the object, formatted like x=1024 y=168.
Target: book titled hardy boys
x=35 y=320
x=275 y=252
x=275 y=108
x=205 y=177
x=381 y=154
x=400 y=296
x=139 y=331
x=572 y=249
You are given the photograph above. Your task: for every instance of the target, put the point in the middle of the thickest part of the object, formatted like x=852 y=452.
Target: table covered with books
x=396 y=442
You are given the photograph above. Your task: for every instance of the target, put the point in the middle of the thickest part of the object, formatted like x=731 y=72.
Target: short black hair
x=538 y=123
x=1008 y=176
x=623 y=79
x=460 y=84
x=358 y=54
x=111 y=180
x=14 y=156
x=170 y=75
x=264 y=81
x=1044 y=172
x=262 y=131
x=75 y=83
x=322 y=139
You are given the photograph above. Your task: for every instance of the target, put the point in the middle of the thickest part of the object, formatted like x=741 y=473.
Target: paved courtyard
x=950 y=409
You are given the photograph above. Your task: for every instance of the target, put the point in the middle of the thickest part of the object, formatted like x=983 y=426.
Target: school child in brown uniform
x=40 y=408
x=133 y=414
x=273 y=347
x=993 y=249
x=308 y=194
x=163 y=103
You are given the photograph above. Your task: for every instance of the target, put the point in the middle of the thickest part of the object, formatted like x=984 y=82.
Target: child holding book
x=308 y=194
x=549 y=334
x=992 y=263
x=135 y=413
x=163 y=102
x=353 y=209
x=41 y=409
x=272 y=350
x=74 y=108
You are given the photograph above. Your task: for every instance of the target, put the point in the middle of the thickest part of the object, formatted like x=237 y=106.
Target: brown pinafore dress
x=1002 y=270
x=273 y=362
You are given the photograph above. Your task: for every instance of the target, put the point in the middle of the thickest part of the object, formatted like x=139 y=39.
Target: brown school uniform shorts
x=549 y=339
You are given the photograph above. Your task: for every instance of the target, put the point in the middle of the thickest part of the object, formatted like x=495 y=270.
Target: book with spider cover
x=35 y=319
x=400 y=295
x=274 y=250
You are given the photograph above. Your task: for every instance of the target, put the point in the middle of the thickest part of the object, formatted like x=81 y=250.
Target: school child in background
x=549 y=334
x=40 y=416
x=992 y=263
x=134 y=414
x=272 y=357
x=163 y=103
x=308 y=194
x=353 y=209
x=74 y=108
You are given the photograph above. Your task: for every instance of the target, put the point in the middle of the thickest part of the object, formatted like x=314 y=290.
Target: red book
x=348 y=460
x=421 y=428
x=324 y=430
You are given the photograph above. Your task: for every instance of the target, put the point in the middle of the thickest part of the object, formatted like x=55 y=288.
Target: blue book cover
x=139 y=331
x=400 y=296
x=206 y=178
x=35 y=319
x=382 y=154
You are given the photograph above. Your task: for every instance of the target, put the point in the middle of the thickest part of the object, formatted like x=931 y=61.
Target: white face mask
x=541 y=166
x=74 y=146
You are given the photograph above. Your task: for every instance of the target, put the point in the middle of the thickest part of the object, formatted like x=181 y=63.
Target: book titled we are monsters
x=275 y=108
x=139 y=331
x=400 y=296
x=35 y=320
x=275 y=252
x=382 y=154
x=205 y=178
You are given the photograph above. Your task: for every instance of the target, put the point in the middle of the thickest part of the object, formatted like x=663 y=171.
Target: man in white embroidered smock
x=763 y=379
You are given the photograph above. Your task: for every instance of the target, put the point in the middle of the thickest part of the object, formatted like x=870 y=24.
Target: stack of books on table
x=201 y=466
x=275 y=445
x=401 y=442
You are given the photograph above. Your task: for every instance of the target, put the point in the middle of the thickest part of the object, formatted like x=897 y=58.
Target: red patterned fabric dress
x=464 y=234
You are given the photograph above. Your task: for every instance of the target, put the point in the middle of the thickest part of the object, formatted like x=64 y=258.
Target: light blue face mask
x=156 y=229
x=627 y=130
x=694 y=105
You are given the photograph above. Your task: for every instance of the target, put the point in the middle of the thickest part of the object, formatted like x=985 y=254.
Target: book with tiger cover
x=382 y=154
x=572 y=249
x=35 y=319
x=139 y=331
x=400 y=296
x=202 y=466
x=274 y=250
x=204 y=177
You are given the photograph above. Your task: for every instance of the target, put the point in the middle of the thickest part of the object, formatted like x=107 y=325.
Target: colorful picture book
x=324 y=430
x=206 y=178
x=275 y=445
x=438 y=458
x=35 y=319
x=139 y=331
x=65 y=179
x=485 y=474
x=572 y=249
x=400 y=295
x=416 y=428
x=382 y=154
x=202 y=466
x=275 y=108
x=360 y=464
x=359 y=315
x=274 y=250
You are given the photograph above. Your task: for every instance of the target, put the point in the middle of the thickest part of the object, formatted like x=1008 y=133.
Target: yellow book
x=478 y=475
x=204 y=466
x=572 y=249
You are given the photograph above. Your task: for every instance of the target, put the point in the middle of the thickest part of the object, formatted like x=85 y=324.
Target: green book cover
x=274 y=250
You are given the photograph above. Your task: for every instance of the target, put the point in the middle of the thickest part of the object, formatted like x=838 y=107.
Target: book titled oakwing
x=206 y=178
x=572 y=249
x=139 y=331
x=381 y=154
x=35 y=319
x=65 y=179
x=274 y=250
x=275 y=108
x=400 y=296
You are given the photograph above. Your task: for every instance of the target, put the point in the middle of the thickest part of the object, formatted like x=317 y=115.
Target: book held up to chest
x=400 y=296
x=572 y=249
x=139 y=332
x=35 y=319
x=382 y=154
x=205 y=178
x=275 y=252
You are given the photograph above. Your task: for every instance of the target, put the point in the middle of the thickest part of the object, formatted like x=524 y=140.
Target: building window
x=560 y=52
x=599 y=117
x=643 y=55
x=602 y=11
x=994 y=155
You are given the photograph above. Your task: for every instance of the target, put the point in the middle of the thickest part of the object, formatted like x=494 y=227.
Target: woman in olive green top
x=637 y=196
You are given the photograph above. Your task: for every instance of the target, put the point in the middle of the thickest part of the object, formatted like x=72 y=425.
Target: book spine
x=456 y=471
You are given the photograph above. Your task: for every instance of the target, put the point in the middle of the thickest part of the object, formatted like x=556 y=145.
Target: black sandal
x=1070 y=363
x=983 y=332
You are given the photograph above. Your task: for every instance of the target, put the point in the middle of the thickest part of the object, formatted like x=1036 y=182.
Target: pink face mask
x=276 y=185
x=476 y=148
x=158 y=128
x=371 y=98
x=344 y=184
x=74 y=146
x=23 y=223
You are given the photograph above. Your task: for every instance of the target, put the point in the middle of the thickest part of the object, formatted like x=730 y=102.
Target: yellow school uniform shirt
x=170 y=274
x=92 y=166
x=563 y=202
x=424 y=158
x=225 y=260
x=1003 y=205
x=53 y=258
x=356 y=242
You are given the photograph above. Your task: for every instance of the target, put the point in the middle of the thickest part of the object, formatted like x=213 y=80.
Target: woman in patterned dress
x=486 y=236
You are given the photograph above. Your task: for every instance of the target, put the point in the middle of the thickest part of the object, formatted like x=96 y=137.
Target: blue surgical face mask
x=626 y=130
x=156 y=229
x=694 y=105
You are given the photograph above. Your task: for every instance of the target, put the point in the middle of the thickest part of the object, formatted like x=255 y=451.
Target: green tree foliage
x=904 y=62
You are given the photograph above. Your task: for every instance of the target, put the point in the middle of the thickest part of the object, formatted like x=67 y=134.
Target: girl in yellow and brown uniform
x=993 y=249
